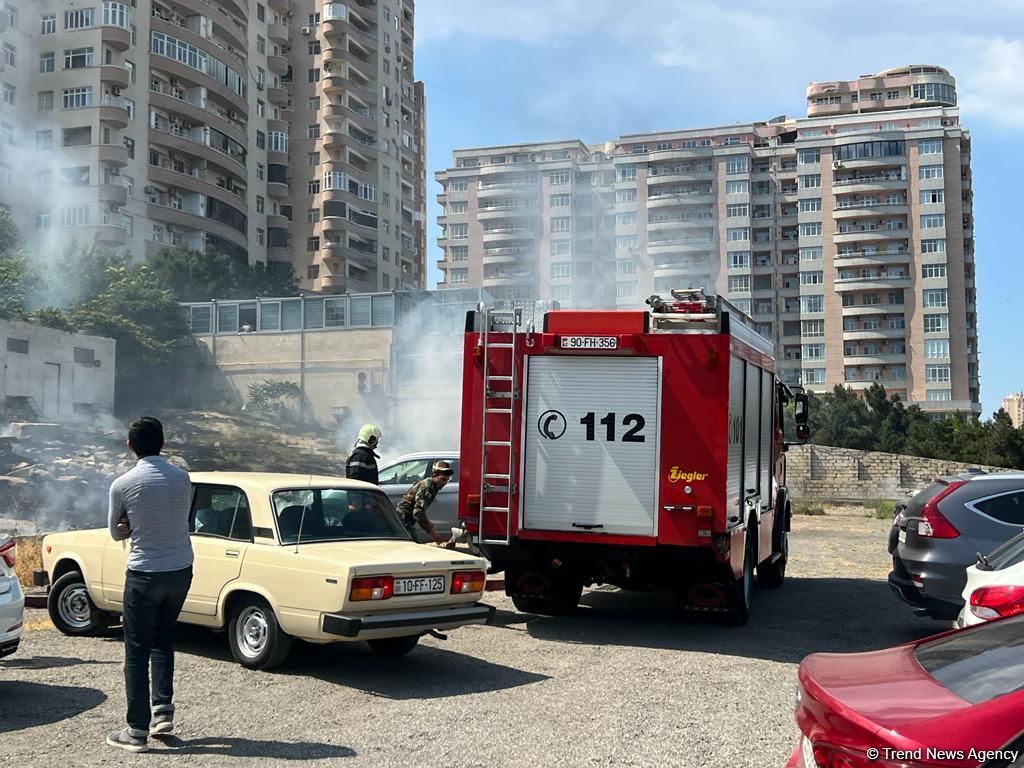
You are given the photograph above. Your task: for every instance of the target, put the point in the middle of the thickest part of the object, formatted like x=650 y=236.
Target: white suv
x=12 y=599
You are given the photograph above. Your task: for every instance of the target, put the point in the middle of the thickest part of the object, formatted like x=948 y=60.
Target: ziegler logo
x=674 y=476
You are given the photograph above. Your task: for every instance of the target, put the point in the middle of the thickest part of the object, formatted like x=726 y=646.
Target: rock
x=6 y=481
x=178 y=461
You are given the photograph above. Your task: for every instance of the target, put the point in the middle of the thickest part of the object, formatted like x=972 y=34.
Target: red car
x=926 y=703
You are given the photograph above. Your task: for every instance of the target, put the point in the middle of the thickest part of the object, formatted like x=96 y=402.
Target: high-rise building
x=847 y=235
x=1014 y=406
x=280 y=131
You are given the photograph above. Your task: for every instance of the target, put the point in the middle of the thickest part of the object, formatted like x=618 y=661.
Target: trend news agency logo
x=551 y=424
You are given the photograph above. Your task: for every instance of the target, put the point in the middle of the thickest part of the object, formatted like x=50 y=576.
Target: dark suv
x=941 y=532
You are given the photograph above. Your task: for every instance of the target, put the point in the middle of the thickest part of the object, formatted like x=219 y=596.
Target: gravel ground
x=621 y=683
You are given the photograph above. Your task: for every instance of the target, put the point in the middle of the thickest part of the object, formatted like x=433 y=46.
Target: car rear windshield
x=335 y=514
x=978 y=664
x=1007 y=554
x=923 y=496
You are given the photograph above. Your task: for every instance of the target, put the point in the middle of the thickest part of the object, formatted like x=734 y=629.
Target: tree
x=10 y=237
x=196 y=276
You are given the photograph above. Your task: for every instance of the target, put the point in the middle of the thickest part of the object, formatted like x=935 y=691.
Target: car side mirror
x=801 y=409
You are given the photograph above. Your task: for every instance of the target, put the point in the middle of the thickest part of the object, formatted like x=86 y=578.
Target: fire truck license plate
x=589 y=342
x=425 y=585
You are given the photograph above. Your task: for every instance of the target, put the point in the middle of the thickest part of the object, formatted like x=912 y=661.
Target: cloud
x=536 y=22
x=991 y=86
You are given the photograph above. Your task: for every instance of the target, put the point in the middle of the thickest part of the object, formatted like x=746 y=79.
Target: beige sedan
x=279 y=557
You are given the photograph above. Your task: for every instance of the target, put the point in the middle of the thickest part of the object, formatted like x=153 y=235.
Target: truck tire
x=393 y=647
x=256 y=639
x=562 y=597
x=771 y=573
x=743 y=587
x=71 y=609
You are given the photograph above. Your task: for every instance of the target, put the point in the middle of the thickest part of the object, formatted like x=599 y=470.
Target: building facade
x=847 y=235
x=281 y=131
x=1014 y=406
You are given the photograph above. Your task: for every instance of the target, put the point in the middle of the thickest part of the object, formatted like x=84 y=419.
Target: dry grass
x=29 y=558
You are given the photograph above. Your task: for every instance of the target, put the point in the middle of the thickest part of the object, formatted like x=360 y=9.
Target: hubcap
x=74 y=608
x=251 y=632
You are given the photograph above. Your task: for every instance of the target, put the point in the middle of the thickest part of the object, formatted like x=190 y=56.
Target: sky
x=511 y=71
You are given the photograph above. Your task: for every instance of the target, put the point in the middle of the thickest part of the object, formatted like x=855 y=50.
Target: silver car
x=399 y=475
x=12 y=599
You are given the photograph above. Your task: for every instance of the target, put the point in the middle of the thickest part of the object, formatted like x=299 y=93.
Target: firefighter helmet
x=370 y=434
x=443 y=468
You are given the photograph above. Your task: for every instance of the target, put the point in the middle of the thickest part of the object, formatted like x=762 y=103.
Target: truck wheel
x=71 y=609
x=256 y=639
x=772 y=573
x=743 y=587
x=393 y=647
x=562 y=598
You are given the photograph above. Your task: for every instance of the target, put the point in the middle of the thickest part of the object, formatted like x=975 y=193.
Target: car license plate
x=589 y=342
x=807 y=753
x=902 y=536
x=424 y=585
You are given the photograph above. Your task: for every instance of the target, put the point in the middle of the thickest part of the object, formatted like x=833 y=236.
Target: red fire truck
x=642 y=449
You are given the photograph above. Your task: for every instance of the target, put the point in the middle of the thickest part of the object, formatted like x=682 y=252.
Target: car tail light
x=372 y=588
x=468 y=581
x=995 y=601
x=9 y=553
x=934 y=524
x=826 y=756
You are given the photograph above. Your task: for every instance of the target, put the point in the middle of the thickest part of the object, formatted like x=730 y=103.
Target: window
x=1008 y=508
x=625 y=219
x=79 y=19
x=808 y=156
x=260 y=204
x=736 y=164
x=75 y=98
x=77 y=216
x=810 y=229
x=929 y=172
x=561 y=248
x=936 y=323
x=895 y=297
x=626 y=290
x=561 y=271
x=737 y=209
x=933 y=270
x=736 y=187
x=221 y=512
x=869 y=149
x=929 y=196
x=457 y=276
x=261 y=237
x=84 y=356
x=19 y=346
x=48 y=24
x=7 y=92
x=933 y=246
x=813 y=376
x=809 y=180
x=312 y=131
x=934 y=92
x=277 y=141
x=313 y=187
x=458 y=231
x=737 y=234
x=44 y=139
x=564 y=201
x=811 y=254
x=625 y=196
x=812 y=351
x=934 y=297
x=812 y=304
x=892 y=94
x=78 y=58
x=261 y=12
x=935 y=374
x=936 y=348
x=10 y=54
x=816 y=277
x=561 y=224
x=312 y=159
x=933 y=221
x=939 y=395
x=810 y=204
x=739 y=283
x=312 y=244
x=812 y=328
x=929 y=147
x=626 y=173
x=739 y=259
x=562 y=177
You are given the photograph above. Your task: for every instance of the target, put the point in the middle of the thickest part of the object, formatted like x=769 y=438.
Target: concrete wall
x=42 y=380
x=823 y=473
x=326 y=364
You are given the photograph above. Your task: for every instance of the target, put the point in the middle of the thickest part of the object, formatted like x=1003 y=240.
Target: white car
x=995 y=585
x=398 y=475
x=12 y=599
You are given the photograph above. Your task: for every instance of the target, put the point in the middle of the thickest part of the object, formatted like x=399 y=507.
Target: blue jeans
x=152 y=602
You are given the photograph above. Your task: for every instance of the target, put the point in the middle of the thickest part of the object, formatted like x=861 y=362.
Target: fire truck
x=641 y=449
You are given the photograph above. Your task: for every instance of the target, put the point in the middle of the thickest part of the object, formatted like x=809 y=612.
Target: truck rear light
x=933 y=524
x=473 y=501
x=703 y=511
x=9 y=553
x=826 y=756
x=468 y=581
x=372 y=588
x=995 y=601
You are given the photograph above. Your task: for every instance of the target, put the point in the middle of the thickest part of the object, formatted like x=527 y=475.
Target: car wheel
x=71 y=609
x=743 y=587
x=393 y=647
x=256 y=639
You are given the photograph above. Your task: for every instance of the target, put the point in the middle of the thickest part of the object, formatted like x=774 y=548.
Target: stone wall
x=823 y=473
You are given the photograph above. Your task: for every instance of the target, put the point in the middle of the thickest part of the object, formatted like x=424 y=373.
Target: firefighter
x=413 y=505
x=362 y=463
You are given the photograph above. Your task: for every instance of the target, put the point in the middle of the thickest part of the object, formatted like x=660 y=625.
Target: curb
x=35 y=600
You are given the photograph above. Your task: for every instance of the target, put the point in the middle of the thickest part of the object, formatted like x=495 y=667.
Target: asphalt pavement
x=624 y=682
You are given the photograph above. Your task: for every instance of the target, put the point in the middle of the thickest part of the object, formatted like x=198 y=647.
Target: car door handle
x=231 y=552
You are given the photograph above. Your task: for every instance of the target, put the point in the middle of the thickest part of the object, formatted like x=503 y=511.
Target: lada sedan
x=279 y=557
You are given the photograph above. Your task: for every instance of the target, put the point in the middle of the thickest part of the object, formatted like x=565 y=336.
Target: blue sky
x=534 y=70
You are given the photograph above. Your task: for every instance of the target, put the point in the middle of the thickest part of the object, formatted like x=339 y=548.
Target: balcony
x=111 y=154
x=331 y=283
x=497 y=189
x=279 y=33
x=869 y=182
x=506 y=212
x=277 y=95
x=114 y=110
x=679 y=222
x=111 y=234
x=875 y=359
x=870 y=235
x=877 y=282
x=506 y=256
x=179 y=217
x=175 y=137
x=685 y=198
x=860 y=210
x=116 y=37
x=871 y=259
x=277 y=221
x=333 y=224
x=277 y=64
x=501 y=234
x=873 y=309
x=115 y=74
x=681 y=245
x=874 y=334
x=114 y=195
x=277 y=189
x=679 y=176
x=166 y=99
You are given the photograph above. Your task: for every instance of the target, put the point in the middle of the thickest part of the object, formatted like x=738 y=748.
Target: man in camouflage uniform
x=413 y=505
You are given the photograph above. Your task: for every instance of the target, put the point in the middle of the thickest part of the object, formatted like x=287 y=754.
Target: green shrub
x=807 y=508
x=882 y=510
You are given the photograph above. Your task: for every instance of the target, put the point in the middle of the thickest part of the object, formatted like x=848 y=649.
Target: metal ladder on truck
x=499 y=408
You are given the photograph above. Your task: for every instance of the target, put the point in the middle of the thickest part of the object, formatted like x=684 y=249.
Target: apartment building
x=282 y=131
x=1014 y=406
x=847 y=235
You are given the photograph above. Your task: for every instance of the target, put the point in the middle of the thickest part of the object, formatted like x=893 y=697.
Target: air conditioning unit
x=387 y=49
x=306 y=30
x=232 y=115
x=837 y=164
